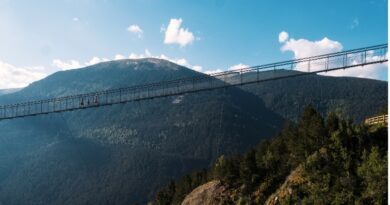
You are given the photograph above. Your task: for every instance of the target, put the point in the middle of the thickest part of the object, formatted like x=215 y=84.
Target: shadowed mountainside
x=121 y=154
x=354 y=98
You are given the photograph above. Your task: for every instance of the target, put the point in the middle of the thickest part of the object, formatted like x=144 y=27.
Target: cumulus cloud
x=283 y=36
x=146 y=54
x=73 y=64
x=179 y=61
x=135 y=29
x=213 y=71
x=374 y=71
x=175 y=34
x=66 y=65
x=182 y=62
x=14 y=77
x=197 y=68
x=119 y=57
x=17 y=77
x=305 y=48
x=238 y=66
x=96 y=60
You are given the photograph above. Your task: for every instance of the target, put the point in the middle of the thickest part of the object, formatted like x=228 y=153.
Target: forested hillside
x=343 y=95
x=313 y=161
x=121 y=154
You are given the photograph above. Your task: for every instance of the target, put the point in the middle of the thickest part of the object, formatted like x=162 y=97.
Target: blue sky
x=40 y=37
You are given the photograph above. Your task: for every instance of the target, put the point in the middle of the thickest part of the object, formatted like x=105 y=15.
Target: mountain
x=354 y=98
x=122 y=154
x=313 y=161
x=8 y=91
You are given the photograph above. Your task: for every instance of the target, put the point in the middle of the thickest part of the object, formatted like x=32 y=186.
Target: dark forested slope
x=354 y=98
x=316 y=161
x=121 y=154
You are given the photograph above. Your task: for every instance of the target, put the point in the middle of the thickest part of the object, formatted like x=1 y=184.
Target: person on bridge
x=96 y=100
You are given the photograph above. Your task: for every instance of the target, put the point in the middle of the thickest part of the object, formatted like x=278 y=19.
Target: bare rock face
x=210 y=193
x=294 y=179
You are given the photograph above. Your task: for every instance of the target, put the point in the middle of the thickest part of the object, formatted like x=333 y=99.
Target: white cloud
x=213 y=71
x=231 y=68
x=283 y=36
x=136 y=56
x=136 y=30
x=119 y=57
x=238 y=66
x=66 y=65
x=174 y=34
x=146 y=54
x=182 y=62
x=73 y=64
x=75 y=19
x=369 y=71
x=305 y=48
x=373 y=71
x=16 y=77
x=197 y=68
x=96 y=60
x=179 y=61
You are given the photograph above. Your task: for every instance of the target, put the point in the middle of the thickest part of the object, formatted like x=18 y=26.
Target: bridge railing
x=381 y=119
x=310 y=65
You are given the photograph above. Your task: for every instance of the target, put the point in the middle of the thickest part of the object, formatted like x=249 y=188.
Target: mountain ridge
x=165 y=137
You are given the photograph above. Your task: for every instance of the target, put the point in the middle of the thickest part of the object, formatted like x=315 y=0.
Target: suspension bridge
x=202 y=82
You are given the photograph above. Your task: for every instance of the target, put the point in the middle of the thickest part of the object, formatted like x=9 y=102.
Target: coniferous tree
x=165 y=196
x=373 y=172
x=311 y=130
x=248 y=171
x=333 y=169
x=332 y=122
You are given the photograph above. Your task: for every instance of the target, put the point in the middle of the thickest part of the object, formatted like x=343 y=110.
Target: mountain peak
x=138 y=64
x=104 y=76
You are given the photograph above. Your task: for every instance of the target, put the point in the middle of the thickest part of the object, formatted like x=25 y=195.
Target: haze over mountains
x=8 y=91
x=122 y=154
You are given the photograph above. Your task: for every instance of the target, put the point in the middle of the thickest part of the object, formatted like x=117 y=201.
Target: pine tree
x=311 y=130
x=332 y=122
x=373 y=172
x=248 y=171
x=165 y=196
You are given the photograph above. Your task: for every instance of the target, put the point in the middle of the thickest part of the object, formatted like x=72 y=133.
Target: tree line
x=341 y=162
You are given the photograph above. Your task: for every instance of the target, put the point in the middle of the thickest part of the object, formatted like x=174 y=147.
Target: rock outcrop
x=210 y=193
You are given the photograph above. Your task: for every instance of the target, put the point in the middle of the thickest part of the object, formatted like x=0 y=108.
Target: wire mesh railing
x=202 y=82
